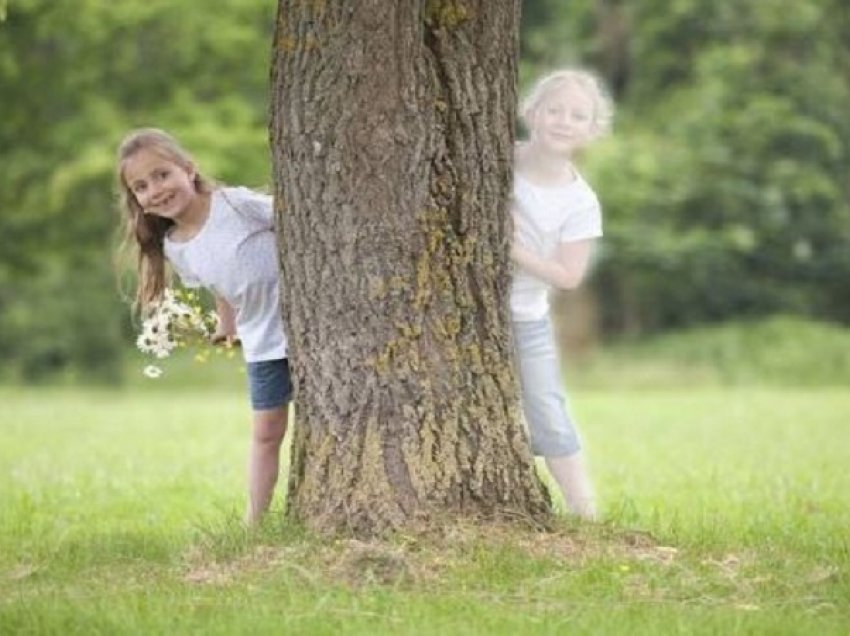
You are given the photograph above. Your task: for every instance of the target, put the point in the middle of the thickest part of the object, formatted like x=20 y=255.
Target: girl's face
x=161 y=186
x=563 y=121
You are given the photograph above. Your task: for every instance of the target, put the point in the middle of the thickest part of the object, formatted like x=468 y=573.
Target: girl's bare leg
x=571 y=476
x=269 y=428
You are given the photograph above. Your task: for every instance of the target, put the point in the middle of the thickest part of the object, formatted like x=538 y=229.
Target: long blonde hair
x=144 y=234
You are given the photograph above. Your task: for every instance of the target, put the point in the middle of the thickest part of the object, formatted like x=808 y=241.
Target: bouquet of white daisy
x=176 y=321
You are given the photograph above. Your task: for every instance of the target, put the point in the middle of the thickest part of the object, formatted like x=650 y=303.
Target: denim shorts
x=270 y=384
x=544 y=401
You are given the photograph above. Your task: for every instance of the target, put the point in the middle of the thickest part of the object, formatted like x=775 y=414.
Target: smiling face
x=563 y=121
x=161 y=186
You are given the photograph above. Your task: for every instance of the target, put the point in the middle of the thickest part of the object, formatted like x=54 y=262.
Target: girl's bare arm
x=566 y=269
x=226 y=321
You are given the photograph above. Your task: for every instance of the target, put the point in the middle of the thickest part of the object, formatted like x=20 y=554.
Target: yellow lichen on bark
x=446 y=13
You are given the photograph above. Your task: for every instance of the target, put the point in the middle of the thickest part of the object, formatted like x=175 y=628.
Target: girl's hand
x=520 y=251
x=524 y=234
x=225 y=339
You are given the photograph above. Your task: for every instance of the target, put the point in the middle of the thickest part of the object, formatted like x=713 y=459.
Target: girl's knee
x=270 y=426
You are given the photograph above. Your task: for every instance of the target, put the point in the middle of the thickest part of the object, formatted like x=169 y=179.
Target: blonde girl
x=557 y=221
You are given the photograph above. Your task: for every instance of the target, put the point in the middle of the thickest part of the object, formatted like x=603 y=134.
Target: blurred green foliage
x=75 y=76
x=725 y=185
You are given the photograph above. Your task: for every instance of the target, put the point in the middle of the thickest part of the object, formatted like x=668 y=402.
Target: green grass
x=726 y=512
x=778 y=351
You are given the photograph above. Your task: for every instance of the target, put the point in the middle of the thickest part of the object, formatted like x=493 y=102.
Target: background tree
x=392 y=135
x=725 y=186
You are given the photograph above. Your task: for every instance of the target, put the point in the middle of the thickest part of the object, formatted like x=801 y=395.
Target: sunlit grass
x=725 y=512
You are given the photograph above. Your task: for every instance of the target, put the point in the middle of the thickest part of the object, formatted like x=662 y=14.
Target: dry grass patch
x=423 y=556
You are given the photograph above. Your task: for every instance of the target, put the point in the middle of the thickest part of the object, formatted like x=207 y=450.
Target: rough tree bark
x=392 y=133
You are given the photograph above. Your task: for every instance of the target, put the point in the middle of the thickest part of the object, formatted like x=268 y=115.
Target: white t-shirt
x=544 y=217
x=234 y=255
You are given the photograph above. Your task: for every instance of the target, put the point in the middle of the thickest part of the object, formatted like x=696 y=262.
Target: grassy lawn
x=726 y=511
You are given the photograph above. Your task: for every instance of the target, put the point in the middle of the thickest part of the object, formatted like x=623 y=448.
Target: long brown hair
x=144 y=234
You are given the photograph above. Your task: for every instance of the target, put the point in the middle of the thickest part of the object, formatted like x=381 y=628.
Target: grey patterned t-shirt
x=234 y=255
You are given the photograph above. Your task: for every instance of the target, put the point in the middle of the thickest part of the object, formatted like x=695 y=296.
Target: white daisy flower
x=152 y=371
x=177 y=320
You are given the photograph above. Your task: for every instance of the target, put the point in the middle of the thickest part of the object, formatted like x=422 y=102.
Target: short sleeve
x=257 y=206
x=584 y=222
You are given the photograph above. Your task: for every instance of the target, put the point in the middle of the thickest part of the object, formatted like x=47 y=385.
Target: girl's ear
x=193 y=174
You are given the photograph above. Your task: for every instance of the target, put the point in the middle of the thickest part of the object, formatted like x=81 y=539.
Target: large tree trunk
x=392 y=135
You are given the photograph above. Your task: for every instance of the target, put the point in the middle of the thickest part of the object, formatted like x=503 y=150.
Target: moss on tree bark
x=392 y=137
